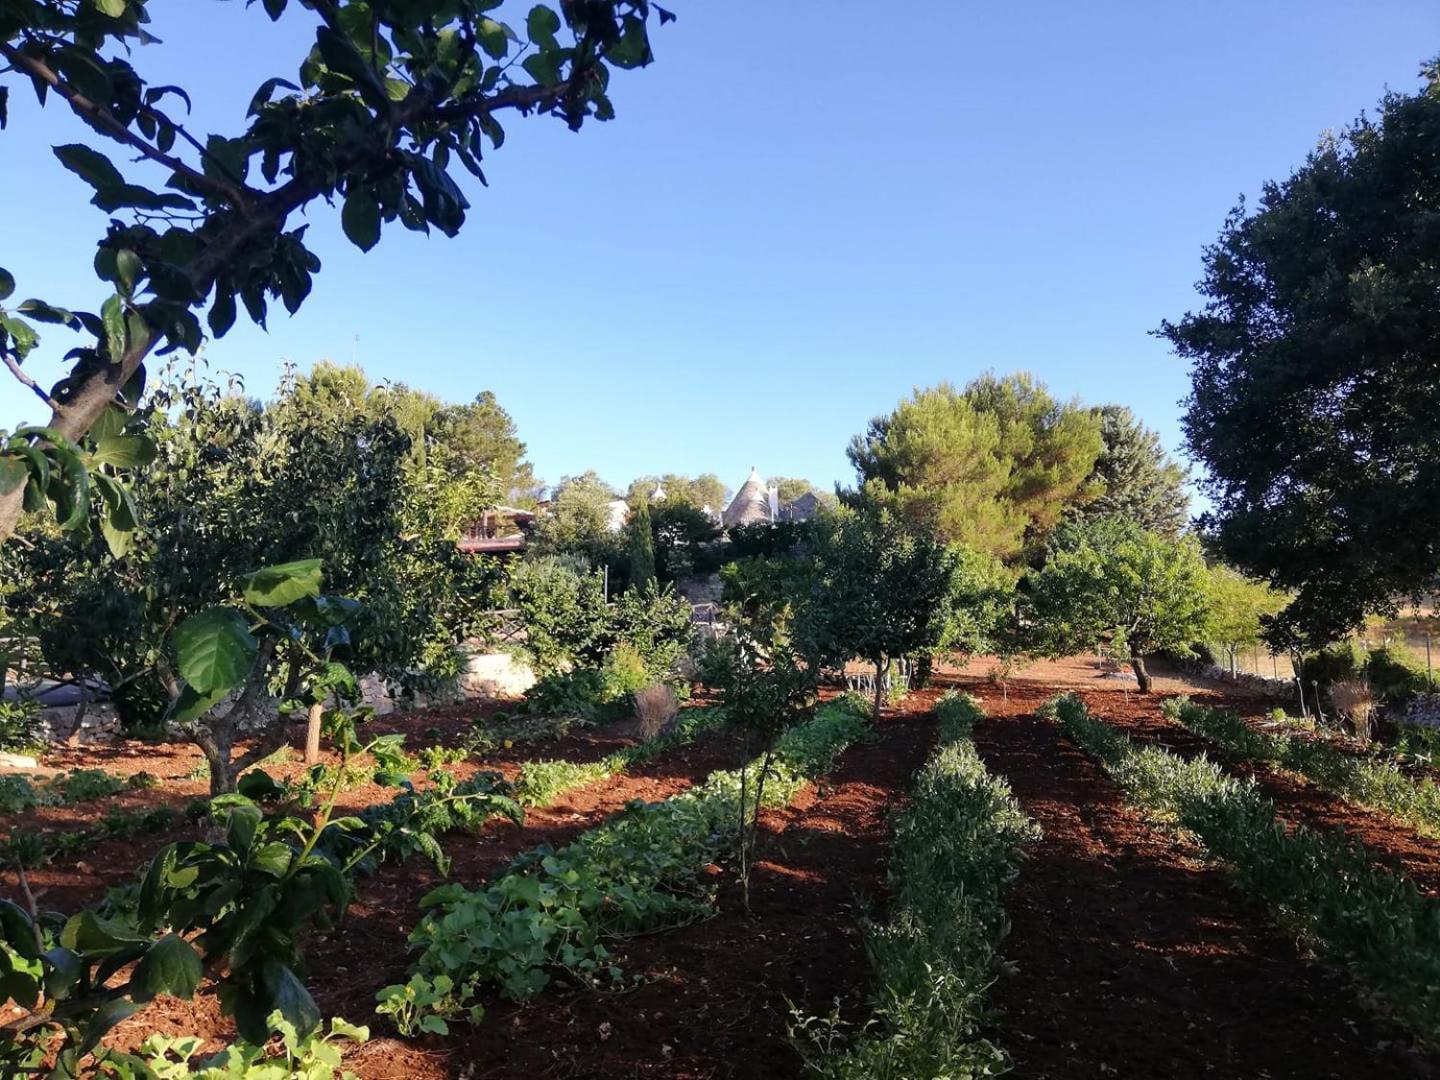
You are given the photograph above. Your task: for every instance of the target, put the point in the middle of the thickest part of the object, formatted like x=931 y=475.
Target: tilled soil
x=368 y=950
x=1297 y=801
x=1133 y=958
x=715 y=998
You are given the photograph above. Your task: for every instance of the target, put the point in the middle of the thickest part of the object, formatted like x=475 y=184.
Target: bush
x=957 y=846
x=20 y=725
x=624 y=673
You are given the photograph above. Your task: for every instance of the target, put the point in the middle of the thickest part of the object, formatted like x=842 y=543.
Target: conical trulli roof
x=751 y=503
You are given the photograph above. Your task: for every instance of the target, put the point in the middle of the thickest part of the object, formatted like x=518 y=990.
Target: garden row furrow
x=1373 y=782
x=543 y=780
x=957 y=847
x=1330 y=891
x=640 y=871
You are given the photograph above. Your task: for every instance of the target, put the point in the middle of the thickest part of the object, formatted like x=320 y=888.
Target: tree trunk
x=879 y=685
x=1142 y=676
x=312 y=734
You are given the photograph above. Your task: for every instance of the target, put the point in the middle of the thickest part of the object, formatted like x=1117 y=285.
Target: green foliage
x=20 y=725
x=1334 y=893
x=685 y=539
x=1135 y=476
x=1371 y=780
x=1238 y=608
x=642 y=547
x=883 y=589
x=1312 y=407
x=542 y=782
x=993 y=466
x=313 y=1056
x=391 y=103
x=1109 y=579
x=562 y=609
x=18 y=792
x=1390 y=671
x=238 y=905
x=641 y=871
x=580 y=693
x=957 y=847
x=579 y=525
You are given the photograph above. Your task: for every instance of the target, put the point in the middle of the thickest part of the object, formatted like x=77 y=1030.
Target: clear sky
x=803 y=210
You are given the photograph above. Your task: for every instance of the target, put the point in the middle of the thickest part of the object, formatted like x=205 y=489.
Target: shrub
x=20 y=725
x=957 y=846
x=624 y=672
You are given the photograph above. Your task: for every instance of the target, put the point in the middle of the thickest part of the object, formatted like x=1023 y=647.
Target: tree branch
x=26 y=380
x=101 y=118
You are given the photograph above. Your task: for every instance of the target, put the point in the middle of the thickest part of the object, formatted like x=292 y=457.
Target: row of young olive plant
x=640 y=871
x=1370 y=781
x=543 y=781
x=957 y=847
x=1332 y=892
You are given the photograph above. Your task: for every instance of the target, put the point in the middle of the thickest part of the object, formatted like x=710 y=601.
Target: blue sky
x=802 y=211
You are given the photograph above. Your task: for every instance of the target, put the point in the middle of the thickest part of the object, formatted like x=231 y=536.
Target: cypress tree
x=642 y=546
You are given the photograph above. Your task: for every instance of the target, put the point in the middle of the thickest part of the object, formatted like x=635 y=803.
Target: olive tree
x=1110 y=580
x=393 y=98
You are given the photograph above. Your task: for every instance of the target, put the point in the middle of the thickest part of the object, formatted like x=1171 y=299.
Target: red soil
x=1136 y=959
x=715 y=996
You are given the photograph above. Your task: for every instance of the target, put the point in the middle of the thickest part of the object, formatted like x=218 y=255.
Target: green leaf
x=13 y=473
x=215 y=649
x=90 y=165
x=288 y=996
x=360 y=218
x=7 y=284
x=170 y=966
x=192 y=704
x=112 y=8
x=277 y=586
x=90 y=935
x=113 y=315
x=124 y=451
x=542 y=24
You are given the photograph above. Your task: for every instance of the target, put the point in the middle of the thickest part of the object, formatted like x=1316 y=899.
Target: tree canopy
x=993 y=466
x=1109 y=580
x=378 y=116
x=1136 y=477
x=1314 y=404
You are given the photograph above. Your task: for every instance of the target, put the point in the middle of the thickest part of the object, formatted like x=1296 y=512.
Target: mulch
x=1134 y=958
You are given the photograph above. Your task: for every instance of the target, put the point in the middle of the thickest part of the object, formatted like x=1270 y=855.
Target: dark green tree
x=1136 y=477
x=1314 y=403
x=642 y=547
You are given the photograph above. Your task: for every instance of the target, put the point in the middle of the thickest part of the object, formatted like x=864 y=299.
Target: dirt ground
x=1130 y=956
x=1133 y=957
